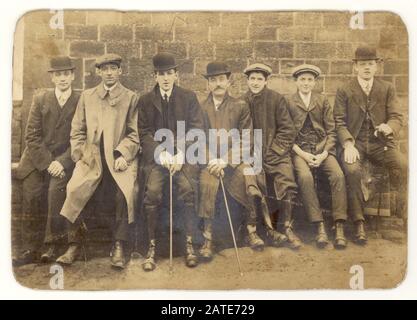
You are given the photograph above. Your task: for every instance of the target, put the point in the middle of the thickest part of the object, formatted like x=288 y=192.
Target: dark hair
x=265 y=74
x=156 y=71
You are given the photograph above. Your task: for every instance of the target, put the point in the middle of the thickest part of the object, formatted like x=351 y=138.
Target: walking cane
x=231 y=225
x=170 y=223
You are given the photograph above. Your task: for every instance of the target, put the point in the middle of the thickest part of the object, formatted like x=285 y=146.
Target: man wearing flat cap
x=314 y=152
x=104 y=144
x=269 y=111
x=46 y=164
x=368 y=121
x=221 y=111
x=167 y=107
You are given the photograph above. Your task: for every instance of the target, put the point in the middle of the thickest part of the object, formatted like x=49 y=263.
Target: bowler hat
x=217 y=68
x=365 y=53
x=306 y=68
x=60 y=63
x=164 y=61
x=258 y=67
x=108 y=58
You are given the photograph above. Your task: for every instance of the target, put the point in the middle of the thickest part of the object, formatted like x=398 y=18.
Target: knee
x=352 y=170
x=337 y=177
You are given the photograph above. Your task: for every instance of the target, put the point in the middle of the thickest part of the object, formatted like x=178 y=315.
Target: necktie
x=367 y=88
x=166 y=98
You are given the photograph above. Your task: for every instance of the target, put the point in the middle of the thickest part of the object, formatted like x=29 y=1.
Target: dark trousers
x=107 y=192
x=158 y=180
x=306 y=184
x=392 y=160
x=43 y=197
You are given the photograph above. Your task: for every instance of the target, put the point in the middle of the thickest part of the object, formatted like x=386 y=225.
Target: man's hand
x=216 y=167
x=351 y=154
x=309 y=158
x=165 y=158
x=56 y=169
x=384 y=128
x=120 y=164
x=320 y=158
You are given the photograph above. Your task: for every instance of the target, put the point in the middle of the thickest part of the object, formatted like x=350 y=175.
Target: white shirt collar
x=363 y=83
x=306 y=98
x=168 y=93
x=217 y=103
x=62 y=96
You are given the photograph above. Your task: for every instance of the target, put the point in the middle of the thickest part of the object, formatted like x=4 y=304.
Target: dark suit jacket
x=350 y=108
x=47 y=133
x=321 y=116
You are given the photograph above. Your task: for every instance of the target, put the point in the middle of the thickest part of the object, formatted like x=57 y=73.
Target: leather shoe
x=278 y=239
x=149 y=263
x=321 y=239
x=340 y=241
x=206 y=251
x=191 y=259
x=117 y=256
x=293 y=241
x=360 y=235
x=26 y=257
x=70 y=255
x=49 y=254
x=255 y=242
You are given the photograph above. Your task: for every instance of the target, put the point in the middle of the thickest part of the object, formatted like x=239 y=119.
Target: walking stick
x=170 y=223
x=231 y=225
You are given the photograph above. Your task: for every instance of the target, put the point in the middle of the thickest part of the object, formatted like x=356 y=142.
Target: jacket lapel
x=68 y=108
x=156 y=100
x=299 y=102
x=51 y=104
x=374 y=94
x=358 y=94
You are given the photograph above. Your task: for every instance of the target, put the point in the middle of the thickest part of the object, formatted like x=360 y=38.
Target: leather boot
x=117 y=256
x=277 y=238
x=340 y=241
x=321 y=238
x=70 y=255
x=255 y=242
x=26 y=257
x=360 y=235
x=149 y=263
x=293 y=241
x=286 y=207
x=49 y=254
x=206 y=251
x=191 y=259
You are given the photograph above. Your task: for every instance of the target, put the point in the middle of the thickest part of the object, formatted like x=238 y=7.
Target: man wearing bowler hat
x=167 y=107
x=368 y=121
x=222 y=111
x=104 y=144
x=46 y=164
x=269 y=111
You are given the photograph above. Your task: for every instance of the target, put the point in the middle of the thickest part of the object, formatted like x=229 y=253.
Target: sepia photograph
x=209 y=150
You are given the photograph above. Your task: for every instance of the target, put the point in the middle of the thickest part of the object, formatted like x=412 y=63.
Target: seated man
x=165 y=107
x=368 y=120
x=269 y=111
x=46 y=164
x=314 y=151
x=104 y=144
x=222 y=111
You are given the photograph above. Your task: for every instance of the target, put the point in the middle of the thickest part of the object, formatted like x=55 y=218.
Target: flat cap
x=108 y=58
x=258 y=67
x=60 y=63
x=306 y=68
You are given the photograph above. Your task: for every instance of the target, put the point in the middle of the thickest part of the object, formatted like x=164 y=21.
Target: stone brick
x=137 y=18
x=394 y=34
x=116 y=32
x=273 y=63
x=227 y=33
x=236 y=65
x=153 y=33
x=225 y=50
x=296 y=34
x=38 y=16
x=308 y=19
x=133 y=83
x=169 y=18
x=274 y=50
x=332 y=83
x=331 y=19
x=402 y=51
x=43 y=32
x=401 y=84
x=288 y=65
x=331 y=34
x=203 y=18
x=272 y=18
x=91 y=79
x=195 y=33
x=369 y=36
x=344 y=50
x=201 y=66
x=396 y=67
x=140 y=69
x=179 y=49
x=192 y=82
x=125 y=49
x=186 y=66
x=202 y=49
x=262 y=33
x=80 y=32
x=86 y=49
x=341 y=67
x=78 y=73
x=322 y=64
x=103 y=17
x=148 y=49
x=282 y=84
x=75 y=17
x=315 y=50
x=388 y=51
x=234 y=18
x=383 y=19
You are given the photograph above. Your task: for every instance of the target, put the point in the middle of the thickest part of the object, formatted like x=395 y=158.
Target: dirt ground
x=384 y=263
